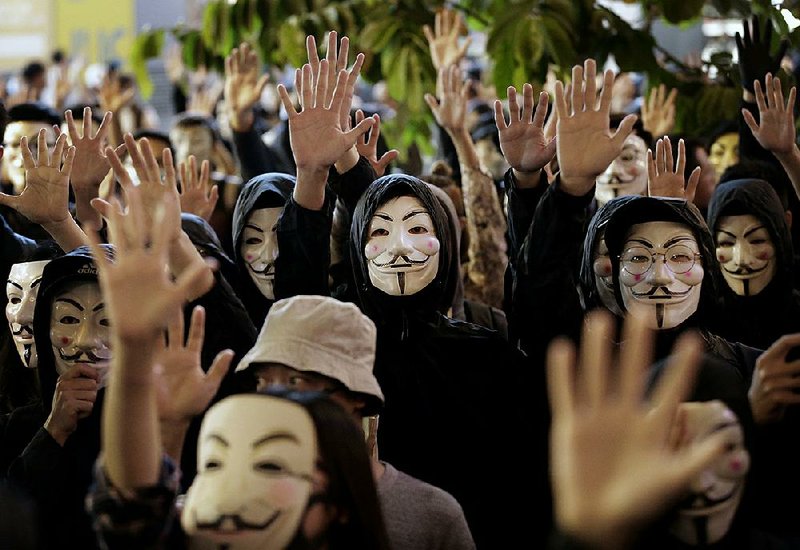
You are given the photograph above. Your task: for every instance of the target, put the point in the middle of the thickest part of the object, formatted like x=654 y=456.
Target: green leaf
x=146 y=45
x=676 y=11
x=395 y=62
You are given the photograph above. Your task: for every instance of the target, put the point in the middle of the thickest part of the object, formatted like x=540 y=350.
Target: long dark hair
x=351 y=487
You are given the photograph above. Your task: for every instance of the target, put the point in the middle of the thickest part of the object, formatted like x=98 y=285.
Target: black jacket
x=57 y=478
x=460 y=404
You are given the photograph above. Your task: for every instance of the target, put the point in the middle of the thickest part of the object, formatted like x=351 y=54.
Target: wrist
x=309 y=191
x=577 y=186
x=347 y=161
x=59 y=435
x=242 y=121
x=526 y=179
x=788 y=157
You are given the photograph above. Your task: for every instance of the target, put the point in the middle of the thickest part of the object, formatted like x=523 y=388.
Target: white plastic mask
x=706 y=514
x=13 y=169
x=192 y=140
x=746 y=253
x=661 y=272
x=255 y=459
x=627 y=174
x=402 y=248
x=21 y=290
x=603 y=281
x=79 y=329
x=259 y=248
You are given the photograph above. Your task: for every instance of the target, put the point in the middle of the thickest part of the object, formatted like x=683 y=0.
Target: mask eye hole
x=379 y=232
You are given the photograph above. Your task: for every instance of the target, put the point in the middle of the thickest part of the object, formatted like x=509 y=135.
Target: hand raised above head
x=522 y=139
x=662 y=181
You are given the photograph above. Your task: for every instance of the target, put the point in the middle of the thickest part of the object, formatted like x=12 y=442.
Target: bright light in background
x=790 y=19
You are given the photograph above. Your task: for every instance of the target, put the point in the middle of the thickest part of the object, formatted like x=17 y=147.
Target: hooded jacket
x=265 y=191
x=650 y=209
x=760 y=319
x=443 y=414
x=59 y=477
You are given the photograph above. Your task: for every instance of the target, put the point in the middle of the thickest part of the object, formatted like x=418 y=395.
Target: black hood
x=455 y=273
x=271 y=190
x=597 y=225
x=77 y=266
x=438 y=295
x=757 y=197
x=650 y=209
x=207 y=243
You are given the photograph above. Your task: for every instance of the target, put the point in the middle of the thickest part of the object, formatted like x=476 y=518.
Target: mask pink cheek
x=249 y=258
x=694 y=276
x=431 y=246
x=764 y=256
x=602 y=267
x=372 y=250
x=284 y=493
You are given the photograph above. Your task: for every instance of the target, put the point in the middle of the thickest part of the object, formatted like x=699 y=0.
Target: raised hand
x=368 y=148
x=585 y=143
x=111 y=96
x=450 y=109
x=522 y=139
x=45 y=198
x=140 y=296
x=775 y=131
x=196 y=197
x=91 y=164
x=776 y=381
x=662 y=181
x=316 y=133
x=443 y=42
x=184 y=389
x=658 y=111
x=73 y=400
x=612 y=468
x=755 y=59
x=243 y=86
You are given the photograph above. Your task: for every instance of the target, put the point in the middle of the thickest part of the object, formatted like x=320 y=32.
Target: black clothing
x=758 y=320
x=443 y=416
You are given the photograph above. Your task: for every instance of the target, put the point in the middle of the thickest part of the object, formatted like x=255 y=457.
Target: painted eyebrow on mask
x=280 y=436
x=677 y=239
x=36 y=282
x=10 y=282
x=748 y=232
x=253 y=227
x=726 y=232
x=721 y=426
x=384 y=216
x=71 y=302
x=414 y=213
x=99 y=306
x=219 y=439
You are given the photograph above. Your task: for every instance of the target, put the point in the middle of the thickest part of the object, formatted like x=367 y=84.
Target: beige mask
x=627 y=174
x=746 y=253
x=259 y=248
x=21 y=290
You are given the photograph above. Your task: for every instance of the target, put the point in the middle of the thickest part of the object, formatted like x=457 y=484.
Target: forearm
x=791 y=164
x=66 y=233
x=83 y=207
x=309 y=191
x=173 y=435
x=131 y=429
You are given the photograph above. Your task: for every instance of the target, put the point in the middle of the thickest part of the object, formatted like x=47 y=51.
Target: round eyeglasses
x=679 y=259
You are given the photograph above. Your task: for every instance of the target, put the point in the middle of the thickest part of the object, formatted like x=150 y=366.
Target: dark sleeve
x=545 y=301
x=39 y=469
x=352 y=184
x=255 y=157
x=144 y=518
x=304 y=255
x=15 y=247
x=521 y=206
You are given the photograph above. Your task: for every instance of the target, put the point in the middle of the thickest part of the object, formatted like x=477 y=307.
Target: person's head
x=723 y=148
x=401 y=244
x=487 y=143
x=158 y=141
x=317 y=343
x=596 y=280
x=21 y=290
x=34 y=75
x=194 y=134
x=718 y=404
x=754 y=169
x=752 y=238
x=255 y=220
x=70 y=323
x=25 y=120
x=296 y=475
x=627 y=173
x=662 y=261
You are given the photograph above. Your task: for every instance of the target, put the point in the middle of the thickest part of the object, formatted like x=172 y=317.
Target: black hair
x=33 y=112
x=153 y=134
x=77 y=111
x=32 y=70
x=351 y=486
x=194 y=120
x=638 y=128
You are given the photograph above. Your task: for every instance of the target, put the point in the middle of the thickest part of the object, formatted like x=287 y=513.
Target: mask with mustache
x=79 y=328
x=402 y=248
x=21 y=290
x=746 y=253
x=259 y=248
x=627 y=174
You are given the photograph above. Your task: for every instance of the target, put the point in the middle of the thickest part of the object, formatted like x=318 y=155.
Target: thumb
x=360 y=129
x=219 y=368
x=691 y=186
x=432 y=102
x=387 y=159
x=750 y=121
x=9 y=200
x=623 y=131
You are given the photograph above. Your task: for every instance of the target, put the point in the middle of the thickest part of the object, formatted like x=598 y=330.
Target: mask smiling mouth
x=267 y=273
x=701 y=505
x=661 y=293
x=234 y=523
x=745 y=272
x=90 y=357
x=24 y=334
x=407 y=264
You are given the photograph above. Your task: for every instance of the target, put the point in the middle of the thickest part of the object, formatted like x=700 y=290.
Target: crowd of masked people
x=577 y=330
